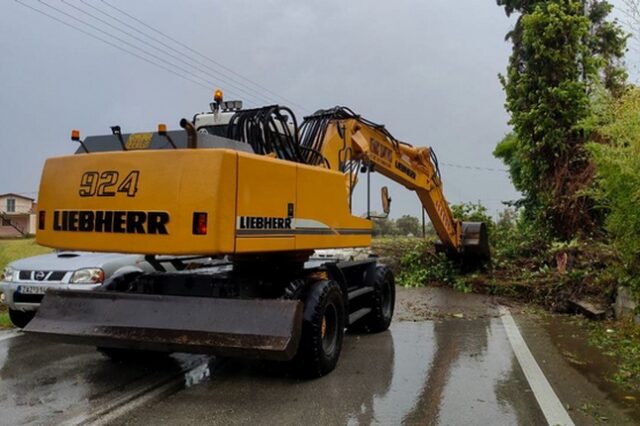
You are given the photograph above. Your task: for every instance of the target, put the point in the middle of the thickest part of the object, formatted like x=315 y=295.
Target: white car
x=24 y=281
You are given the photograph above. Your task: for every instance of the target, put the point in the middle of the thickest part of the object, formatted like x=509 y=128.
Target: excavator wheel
x=295 y=290
x=322 y=329
x=383 y=300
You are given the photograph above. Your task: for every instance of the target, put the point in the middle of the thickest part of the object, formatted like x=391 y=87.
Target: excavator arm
x=349 y=142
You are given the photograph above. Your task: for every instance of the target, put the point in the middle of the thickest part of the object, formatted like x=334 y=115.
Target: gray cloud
x=427 y=70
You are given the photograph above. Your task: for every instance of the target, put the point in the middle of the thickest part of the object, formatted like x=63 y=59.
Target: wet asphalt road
x=446 y=360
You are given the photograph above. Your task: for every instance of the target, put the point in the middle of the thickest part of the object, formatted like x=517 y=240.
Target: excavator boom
x=348 y=141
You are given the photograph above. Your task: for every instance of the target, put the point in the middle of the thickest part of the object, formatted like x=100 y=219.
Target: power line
x=110 y=43
x=251 y=94
x=179 y=43
x=164 y=63
x=463 y=166
x=181 y=52
x=146 y=52
x=116 y=38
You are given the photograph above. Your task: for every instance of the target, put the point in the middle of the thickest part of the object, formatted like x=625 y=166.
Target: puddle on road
x=47 y=383
x=422 y=373
x=572 y=341
x=462 y=370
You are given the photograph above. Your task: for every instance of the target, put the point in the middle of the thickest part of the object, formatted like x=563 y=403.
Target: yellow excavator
x=258 y=193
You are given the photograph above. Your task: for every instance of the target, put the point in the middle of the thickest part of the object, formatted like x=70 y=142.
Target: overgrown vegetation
x=562 y=49
x=574 y=153
x=616 y=152
x=620 y=340
x=524 y=264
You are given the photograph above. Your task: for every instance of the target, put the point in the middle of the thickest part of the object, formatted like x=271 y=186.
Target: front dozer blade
x=267 y=329
x=475 y=241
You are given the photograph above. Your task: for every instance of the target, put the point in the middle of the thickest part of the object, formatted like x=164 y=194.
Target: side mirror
x=386 y=200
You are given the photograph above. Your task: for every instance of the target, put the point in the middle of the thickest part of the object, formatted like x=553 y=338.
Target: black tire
x=21 y=318
x=135 y=356
x=383 y=301
x=295 y=290
x=322 y=329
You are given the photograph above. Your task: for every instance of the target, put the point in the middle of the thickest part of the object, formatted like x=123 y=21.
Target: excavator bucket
x=475 y=241
x=266 y=329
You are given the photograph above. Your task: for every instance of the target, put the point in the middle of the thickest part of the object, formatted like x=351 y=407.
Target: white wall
x=23 y=205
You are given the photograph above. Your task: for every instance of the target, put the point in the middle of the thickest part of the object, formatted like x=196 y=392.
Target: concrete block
x=625 y=305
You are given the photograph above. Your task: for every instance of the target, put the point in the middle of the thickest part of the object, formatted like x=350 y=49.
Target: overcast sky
x=426 y=69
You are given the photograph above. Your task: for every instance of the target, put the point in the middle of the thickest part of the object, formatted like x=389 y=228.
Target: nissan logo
x=39 y=275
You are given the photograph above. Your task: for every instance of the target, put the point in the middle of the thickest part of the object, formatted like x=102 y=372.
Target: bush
x=617 y=156
x=419 y=265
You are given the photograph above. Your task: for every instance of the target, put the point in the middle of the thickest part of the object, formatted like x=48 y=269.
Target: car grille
x=56 y=276
x=27 y=298
x=48 y=275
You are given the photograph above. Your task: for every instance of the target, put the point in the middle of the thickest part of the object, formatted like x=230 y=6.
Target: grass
x=620 y=340
x=11 y=250
x=5 y=322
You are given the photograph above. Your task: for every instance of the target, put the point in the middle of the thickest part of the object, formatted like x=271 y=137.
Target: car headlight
x=87 y=276
x=9 y=274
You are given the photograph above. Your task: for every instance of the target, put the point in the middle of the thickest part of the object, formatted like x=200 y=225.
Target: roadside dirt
x=427 y=303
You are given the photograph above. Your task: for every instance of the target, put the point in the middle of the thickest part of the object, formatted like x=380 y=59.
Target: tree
x=383 y=226
x=409 y=225
x=562 y=50
x=631 y=12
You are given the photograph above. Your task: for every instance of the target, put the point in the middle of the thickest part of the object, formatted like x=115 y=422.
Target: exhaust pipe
x=192 y=135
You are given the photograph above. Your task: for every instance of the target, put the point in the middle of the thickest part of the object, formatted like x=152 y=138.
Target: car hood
x=71 y=260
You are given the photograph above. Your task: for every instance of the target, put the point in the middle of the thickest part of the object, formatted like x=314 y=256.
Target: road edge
x=549 y=403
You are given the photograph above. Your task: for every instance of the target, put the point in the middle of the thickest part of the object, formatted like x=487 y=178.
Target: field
x=11 y=250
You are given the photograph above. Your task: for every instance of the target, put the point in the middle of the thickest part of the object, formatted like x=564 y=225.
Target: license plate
x=31 y=290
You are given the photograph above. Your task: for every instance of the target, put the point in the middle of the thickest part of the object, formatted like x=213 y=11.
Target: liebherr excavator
x=259 y=192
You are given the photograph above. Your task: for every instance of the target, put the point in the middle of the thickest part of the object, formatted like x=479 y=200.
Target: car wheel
x=21 y=318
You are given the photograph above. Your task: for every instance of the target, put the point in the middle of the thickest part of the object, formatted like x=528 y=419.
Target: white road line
x=126 y=403
x=550 y=405
x=6 y=335
x=145 y=394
